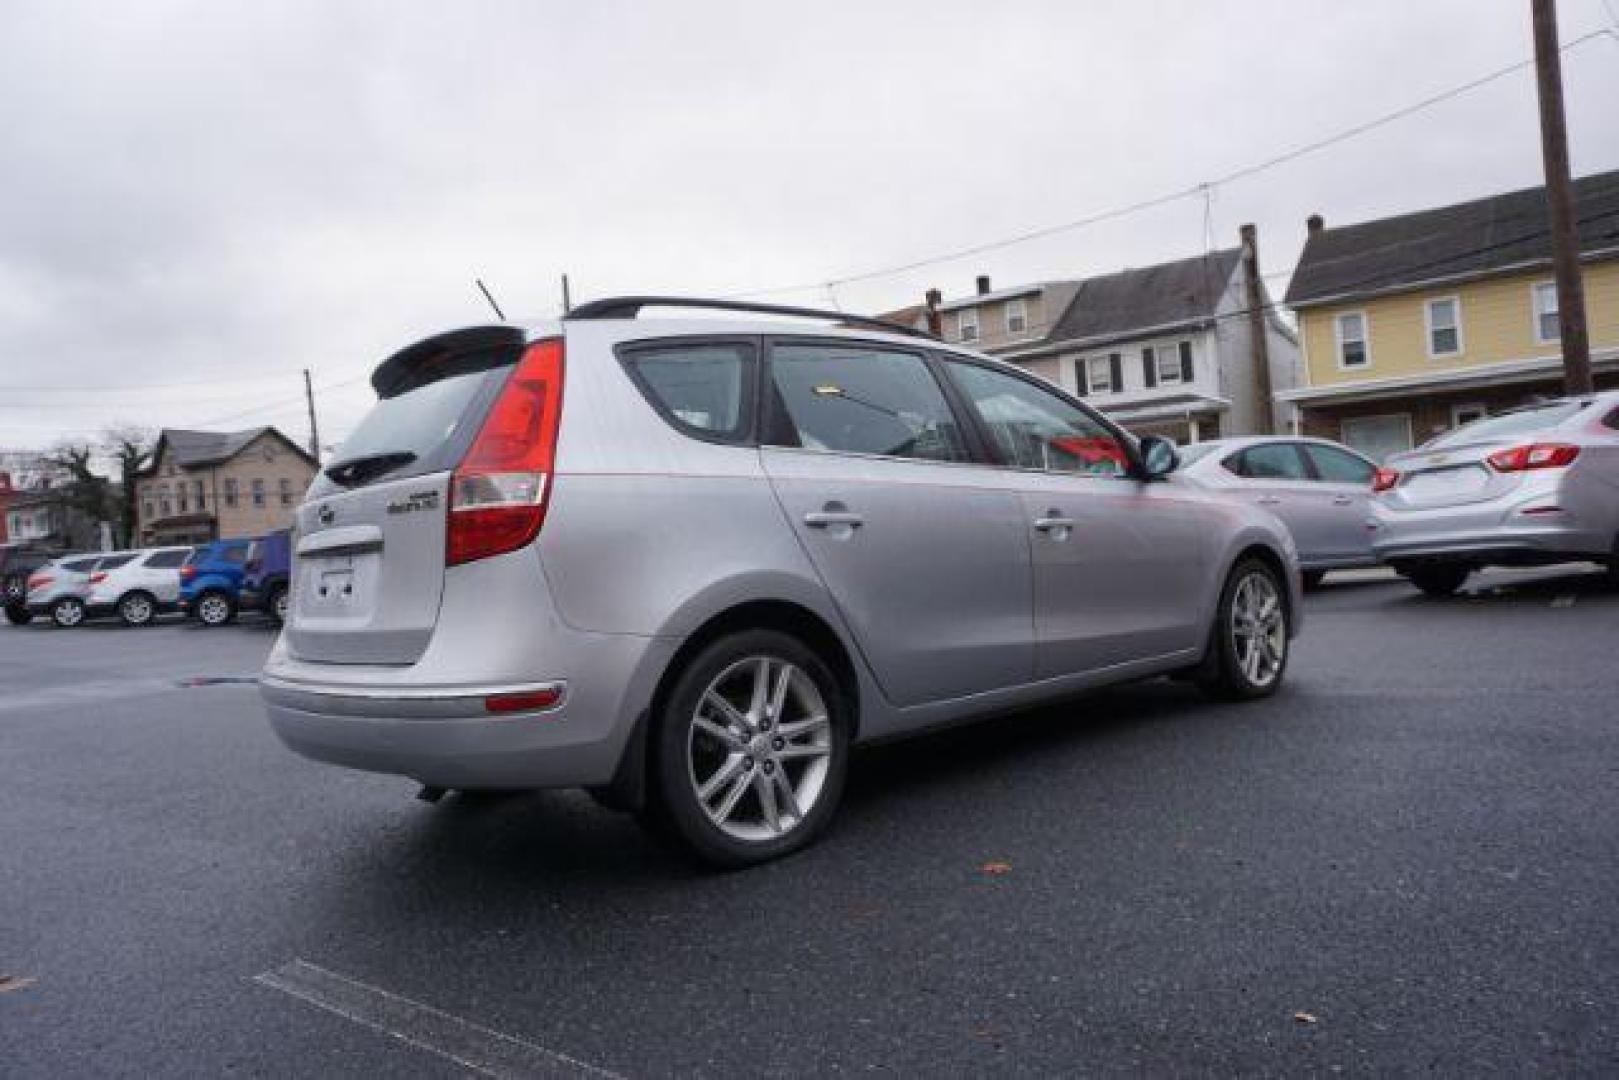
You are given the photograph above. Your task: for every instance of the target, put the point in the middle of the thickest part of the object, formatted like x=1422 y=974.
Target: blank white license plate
x=1464 y=481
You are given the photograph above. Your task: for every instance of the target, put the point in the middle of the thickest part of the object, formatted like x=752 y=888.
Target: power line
x=1174 y=196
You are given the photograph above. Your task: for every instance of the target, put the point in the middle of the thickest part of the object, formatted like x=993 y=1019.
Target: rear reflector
x=1385 y=479
x=498 y=493
x=1534 y=456
x=526 y=701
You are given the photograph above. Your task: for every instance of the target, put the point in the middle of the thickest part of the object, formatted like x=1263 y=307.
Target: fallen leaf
x=997 y=868
x=1306 y=1018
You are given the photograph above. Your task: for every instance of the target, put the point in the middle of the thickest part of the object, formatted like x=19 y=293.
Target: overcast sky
x=201 y=199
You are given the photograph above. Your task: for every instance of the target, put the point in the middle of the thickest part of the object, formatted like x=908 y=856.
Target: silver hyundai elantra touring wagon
x=688 y=564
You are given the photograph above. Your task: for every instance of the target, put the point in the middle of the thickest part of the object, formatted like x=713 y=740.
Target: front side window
x=860 y=399
x=1269 y=461
x=1337 y=466
x=1017 y=317
x=1547 y=326
x=967 y=324
x=1033 y=428
x=1444 y=327
x=258 y=493
x=1352 y=352
x=701 y=387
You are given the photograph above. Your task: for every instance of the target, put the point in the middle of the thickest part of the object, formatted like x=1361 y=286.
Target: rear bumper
x=1532 y=543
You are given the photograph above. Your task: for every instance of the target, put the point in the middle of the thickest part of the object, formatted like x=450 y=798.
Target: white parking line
x=473 y=1047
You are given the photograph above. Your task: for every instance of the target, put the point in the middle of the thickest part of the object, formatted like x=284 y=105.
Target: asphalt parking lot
x=1405 y=862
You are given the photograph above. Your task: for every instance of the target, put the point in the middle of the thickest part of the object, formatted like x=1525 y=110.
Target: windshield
x=1507 y=425
x=1190 y=455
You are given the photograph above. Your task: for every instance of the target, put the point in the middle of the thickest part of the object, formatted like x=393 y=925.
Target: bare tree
x=130 y=449
x=87 y=494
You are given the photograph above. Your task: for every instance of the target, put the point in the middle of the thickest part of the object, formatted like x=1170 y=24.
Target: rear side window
x=702 y=388
x=1339 y=466
x=79 y=566
x=860 y=399
x=113 y=562
x=165 y=560
x=1271 y=461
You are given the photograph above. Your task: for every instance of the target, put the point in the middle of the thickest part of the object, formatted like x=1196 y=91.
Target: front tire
x=214 y=608
x=750 y=749
x=67 y=612
x=18 y=614
x=1440 y=580
x=137 y=609
x=1250 y=643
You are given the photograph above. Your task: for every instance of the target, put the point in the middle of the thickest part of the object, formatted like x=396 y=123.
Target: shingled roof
x=1152 y=297
x=199 y=449
x=1471 y=239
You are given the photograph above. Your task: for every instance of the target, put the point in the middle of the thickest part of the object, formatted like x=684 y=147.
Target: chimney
x=1315 y=223
x=983 y=284
x=935 y=322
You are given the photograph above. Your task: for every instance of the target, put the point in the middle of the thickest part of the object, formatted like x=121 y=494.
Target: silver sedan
x=1318 y=488
x=1532 y=486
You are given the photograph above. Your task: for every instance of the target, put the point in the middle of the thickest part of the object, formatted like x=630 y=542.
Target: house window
x=146 y=508
x=1352 y=340
x=286 y=491
x=1444 y=327
x=180 y=495
x=1099 y=375
x=1017 y=317
x=967 y=324
x=164 y=506
x=196 y=491
x=1466 y=414
x=1169 y=366
x=230 y=491
x=258 y=492
x=1547 y=327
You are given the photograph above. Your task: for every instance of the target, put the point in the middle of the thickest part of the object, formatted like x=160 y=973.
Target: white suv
x=138 y=590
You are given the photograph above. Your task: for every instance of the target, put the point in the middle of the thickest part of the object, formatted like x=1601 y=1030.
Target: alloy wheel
x=136 y=610
x=213 y=610
x=280 y=606
x=1258 y=628
x=758 y=748
x=67 y=613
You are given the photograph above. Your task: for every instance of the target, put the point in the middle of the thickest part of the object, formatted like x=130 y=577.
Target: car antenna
x=489 y=297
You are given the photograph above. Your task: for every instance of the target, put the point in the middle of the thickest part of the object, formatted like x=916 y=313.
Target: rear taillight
x=498 y=493
x=39 y=581
x=1534 y=456
x=1385 y=479
x=187 y=573
x=98 y=577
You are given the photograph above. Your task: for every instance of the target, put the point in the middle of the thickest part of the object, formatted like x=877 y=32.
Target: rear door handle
x=1046 y=524
x=1269 y=500
x=821 y=519
x=1342 y=500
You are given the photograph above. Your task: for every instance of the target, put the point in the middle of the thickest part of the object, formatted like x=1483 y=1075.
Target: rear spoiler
x=393 y=372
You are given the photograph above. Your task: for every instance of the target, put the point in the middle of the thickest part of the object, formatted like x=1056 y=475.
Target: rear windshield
x=1505 y=426
x=430 y=416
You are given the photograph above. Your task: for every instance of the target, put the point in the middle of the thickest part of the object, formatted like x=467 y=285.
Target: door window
x=1035 y=429
x=860 y=399
x=1339 y=466
x=167 y=560
x=1271 y=461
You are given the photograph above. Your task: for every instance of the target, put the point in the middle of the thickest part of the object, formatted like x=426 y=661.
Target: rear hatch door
x=368 y=551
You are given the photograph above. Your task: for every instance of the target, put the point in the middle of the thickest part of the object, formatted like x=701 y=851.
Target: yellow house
x=1414 y=324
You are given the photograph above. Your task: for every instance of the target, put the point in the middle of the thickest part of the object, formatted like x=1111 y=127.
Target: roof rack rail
x=628 y=307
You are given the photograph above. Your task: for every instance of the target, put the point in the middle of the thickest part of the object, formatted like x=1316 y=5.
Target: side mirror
x=1158 y=457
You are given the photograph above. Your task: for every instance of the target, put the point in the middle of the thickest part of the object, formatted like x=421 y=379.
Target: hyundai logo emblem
x=327 y=515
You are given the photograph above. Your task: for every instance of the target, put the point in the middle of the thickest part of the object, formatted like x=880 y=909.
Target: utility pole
x=1265 y=419
x=314 y=430
x=1560 y=201
x=567 y=299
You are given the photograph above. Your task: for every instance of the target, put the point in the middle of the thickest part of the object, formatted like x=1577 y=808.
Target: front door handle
x=1053 y=520
x=823 y=519
x=1269 y=500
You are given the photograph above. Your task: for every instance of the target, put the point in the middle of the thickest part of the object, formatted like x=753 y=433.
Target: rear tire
x=137 y=609
x=1251 y=639
x=68 y=612
x=18 y=614
x=214 y=608
x=275 y=605
x=750 y=750
x=1440 y=580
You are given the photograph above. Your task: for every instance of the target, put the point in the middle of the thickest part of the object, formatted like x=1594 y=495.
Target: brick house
x=207 y=485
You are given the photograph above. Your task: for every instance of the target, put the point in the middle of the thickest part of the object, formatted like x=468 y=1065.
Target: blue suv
x=211 y=581
x=269 y=566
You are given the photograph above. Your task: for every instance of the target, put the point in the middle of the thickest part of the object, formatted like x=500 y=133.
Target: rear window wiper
x=360 y=469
